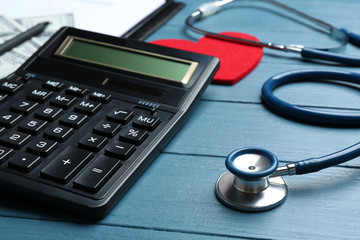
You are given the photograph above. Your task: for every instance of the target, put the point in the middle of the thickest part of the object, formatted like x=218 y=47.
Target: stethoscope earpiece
x=247 y=186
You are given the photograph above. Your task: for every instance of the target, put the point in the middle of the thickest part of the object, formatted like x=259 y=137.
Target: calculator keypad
x=71 y=137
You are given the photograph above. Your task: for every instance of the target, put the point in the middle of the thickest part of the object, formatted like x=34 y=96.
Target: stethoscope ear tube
x=352 y=37
x=307 y=114
x=311 y=53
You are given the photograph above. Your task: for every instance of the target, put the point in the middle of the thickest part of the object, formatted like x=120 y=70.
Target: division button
x=106 y=128
x=97 y=174
x=65 y=166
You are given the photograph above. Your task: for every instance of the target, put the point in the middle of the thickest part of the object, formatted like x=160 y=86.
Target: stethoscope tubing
x=314 y=115
x=326 y=55
x=307 y=114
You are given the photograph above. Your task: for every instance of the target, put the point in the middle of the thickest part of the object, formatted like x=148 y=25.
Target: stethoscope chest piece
x=247 y=186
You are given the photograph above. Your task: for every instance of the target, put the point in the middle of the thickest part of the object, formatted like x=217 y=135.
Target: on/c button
x=97 y=174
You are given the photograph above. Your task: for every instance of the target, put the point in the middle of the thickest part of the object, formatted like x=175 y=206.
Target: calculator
x=87 y=113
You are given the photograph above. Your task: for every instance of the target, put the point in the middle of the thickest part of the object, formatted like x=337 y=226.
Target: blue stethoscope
x=254 y=181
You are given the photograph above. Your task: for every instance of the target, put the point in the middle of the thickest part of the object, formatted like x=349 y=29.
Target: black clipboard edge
x=154 y=21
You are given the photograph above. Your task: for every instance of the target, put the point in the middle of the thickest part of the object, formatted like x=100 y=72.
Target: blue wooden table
x=174 y=198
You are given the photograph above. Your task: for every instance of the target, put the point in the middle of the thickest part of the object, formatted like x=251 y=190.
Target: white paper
x=113 y=17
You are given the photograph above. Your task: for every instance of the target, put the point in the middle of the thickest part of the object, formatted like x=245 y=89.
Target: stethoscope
x=343 y=36
x=254 y=179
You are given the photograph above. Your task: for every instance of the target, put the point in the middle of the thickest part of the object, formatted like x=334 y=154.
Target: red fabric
x=236 y=60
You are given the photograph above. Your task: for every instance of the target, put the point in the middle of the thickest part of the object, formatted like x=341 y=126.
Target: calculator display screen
x=128 y=59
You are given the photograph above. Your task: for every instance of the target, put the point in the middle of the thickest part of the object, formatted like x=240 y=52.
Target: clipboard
x=154 y=21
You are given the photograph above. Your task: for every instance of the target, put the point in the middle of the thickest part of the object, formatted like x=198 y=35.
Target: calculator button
x=66 y=165
x=39 y=95
x=3 y=97
x=32 y=126
x=74 y=120
x=48 y=113
x=2 y=131
x=24 y=162
x=133 y=135
x=93 y=142
x=120 y=115
x=23 y=106
x=120 y=150
x=9 y=119
x=106 y=128
x=97 y=174
x=63 y=101
x=58 y=133
x=100 y=97
x=41 y=147
x=11 y=87
x=15 y=139
x=87 y=107
x=76 y=91
x=5 y=153
x=53 y=85
x=146 y=121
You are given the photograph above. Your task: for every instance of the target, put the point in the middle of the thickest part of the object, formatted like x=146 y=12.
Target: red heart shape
x=236 y=60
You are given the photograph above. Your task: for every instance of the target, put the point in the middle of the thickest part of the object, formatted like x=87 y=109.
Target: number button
x=5 y=153
x=74 y=120
x=15 y=139
x=41 y=147
x=32 y=126
x=48 y=113
x=24 y=106
x=9 y=119
x=58 y=133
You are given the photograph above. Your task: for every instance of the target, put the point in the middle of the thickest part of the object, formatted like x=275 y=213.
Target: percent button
x=133 y=135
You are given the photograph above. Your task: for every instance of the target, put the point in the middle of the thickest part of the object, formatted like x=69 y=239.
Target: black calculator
x=84 y=116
